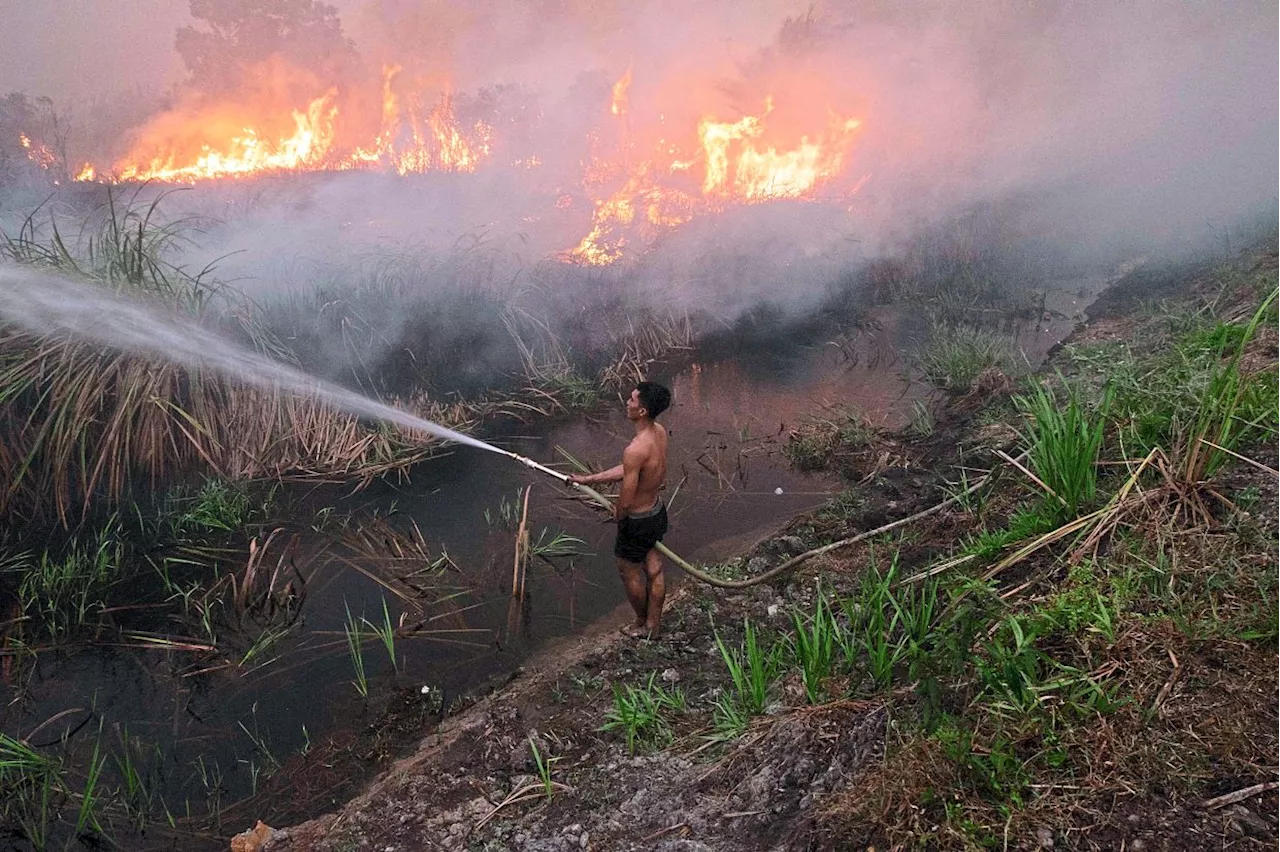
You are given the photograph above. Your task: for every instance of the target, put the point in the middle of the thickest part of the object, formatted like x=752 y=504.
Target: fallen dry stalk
x=662 y=832
x=1239 y=795
x=794 y=561
x=529 y=791
x=1101 y=520
x=1168 y=684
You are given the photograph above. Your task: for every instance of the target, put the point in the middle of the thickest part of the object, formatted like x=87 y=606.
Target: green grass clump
x=1063 y=442
x=994 y=769
x=63 y=592
x=640 y=713
x=814 y=645
x=571 y=390
x=752 y=669
x=215 y=506
x=874 y=644
x=1234 y=408
x=557 y=545
x=1197 y=400
x=544 y=766
x=955 y=356
x=48 y=807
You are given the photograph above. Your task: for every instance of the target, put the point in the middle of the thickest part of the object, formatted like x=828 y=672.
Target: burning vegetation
x=638 y=186
x=257 y=103
x=239 y=137
x=943 y=685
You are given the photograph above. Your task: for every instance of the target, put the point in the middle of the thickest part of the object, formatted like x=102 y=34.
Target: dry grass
x=842 y=439
x=82 y=424
x=657 y=339
x=1120 y=670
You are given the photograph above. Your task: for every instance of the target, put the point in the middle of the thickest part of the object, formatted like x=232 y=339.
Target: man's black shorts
x=637 y=534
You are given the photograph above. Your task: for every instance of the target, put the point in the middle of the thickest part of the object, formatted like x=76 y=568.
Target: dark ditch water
x=207 y=741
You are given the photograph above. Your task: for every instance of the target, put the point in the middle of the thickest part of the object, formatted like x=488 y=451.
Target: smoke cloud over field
x=1107 y=125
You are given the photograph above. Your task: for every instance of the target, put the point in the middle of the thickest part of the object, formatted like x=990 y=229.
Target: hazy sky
x=75 y=49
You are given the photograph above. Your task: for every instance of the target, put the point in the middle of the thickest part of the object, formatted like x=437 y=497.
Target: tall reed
x=1233 y=407
x=79 y=423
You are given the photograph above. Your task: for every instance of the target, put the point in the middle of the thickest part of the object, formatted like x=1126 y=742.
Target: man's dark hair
x=654 y=398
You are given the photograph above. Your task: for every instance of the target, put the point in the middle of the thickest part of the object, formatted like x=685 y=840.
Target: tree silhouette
x=33 y=139
x=237 y=35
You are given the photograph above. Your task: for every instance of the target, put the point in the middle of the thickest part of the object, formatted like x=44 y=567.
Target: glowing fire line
x=731 y=162
x=409 y=140
x=739 y=167
x=249 y=153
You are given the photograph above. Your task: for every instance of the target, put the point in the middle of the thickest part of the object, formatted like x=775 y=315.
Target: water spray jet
x=46 y=304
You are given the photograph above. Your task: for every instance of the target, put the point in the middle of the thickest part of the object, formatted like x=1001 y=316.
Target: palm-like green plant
x=1063 y=442
x=814 y=642
x=752 y=670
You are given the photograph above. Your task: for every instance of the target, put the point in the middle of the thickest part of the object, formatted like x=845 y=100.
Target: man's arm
x=613 y=474
x=632 y=460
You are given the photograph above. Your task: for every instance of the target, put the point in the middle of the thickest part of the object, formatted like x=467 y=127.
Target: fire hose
x=772 y=573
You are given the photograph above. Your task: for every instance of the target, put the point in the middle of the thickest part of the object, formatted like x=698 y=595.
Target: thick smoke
x=1106 y=129
x=1133 y=122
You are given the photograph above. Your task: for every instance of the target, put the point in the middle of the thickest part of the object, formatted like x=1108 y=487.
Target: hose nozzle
x=533 y=465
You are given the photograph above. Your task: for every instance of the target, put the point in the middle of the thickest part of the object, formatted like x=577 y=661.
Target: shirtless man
x=641 y=516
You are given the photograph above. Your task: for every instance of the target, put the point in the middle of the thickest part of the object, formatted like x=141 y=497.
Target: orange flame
x=248 y=153
x=437 y=142
x=637 y=190
x=620 y=89
x=738 y=168
x=659 y=208
x=408 y=140
x=38 y=154
x=383 y=144
x=454 y=150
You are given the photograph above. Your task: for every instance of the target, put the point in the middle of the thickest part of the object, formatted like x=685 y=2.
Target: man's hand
x=577 y=479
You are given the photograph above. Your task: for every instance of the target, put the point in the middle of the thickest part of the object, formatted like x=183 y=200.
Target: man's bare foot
x=636 y=631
